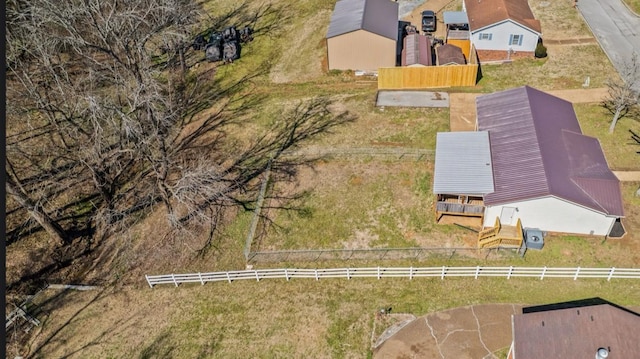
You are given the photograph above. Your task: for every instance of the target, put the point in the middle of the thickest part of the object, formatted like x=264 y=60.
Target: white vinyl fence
x=389 y=272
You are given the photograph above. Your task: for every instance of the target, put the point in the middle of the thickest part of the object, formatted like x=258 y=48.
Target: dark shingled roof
x=482 y=13
x=538 y=150
x=576 y=332
x=376 y=16
x=450 y=55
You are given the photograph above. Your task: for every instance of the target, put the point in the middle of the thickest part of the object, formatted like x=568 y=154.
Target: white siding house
x=546 y=172
x=551 y=214
x=505 y=36
x=502 y=29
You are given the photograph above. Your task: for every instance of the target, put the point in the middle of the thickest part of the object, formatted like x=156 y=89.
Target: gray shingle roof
x=376 y=16
x=463 y=164
x=538 y=150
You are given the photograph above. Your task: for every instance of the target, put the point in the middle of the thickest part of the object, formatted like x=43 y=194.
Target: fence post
x=228 y=277
x=411 y=273
x=316 y=274
x=174 y=279
x=348 y=276
x=148 y=281
x=200 y=276
x=442 y=276
x=577 y=272
x=544 y=270
x=611 y=273
x=378 y=272
x=477 y=271
x=257 y=278
x=286 y=274
x=510 y=271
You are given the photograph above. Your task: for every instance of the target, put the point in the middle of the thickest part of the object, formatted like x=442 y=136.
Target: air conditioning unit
x=533 y=238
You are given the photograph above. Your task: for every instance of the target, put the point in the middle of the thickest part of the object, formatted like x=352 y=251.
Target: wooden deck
x=459 y=206
x=501 y=236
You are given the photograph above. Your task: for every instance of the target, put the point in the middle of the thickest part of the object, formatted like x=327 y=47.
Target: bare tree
x=36 y=210
x=95 y=120
x=624 y=93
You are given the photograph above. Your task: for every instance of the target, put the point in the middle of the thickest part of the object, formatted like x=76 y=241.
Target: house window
x=485 y=36
x=515 y=40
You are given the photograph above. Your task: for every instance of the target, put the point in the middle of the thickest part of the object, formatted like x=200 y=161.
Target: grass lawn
x=352 y=202
x=634 y=5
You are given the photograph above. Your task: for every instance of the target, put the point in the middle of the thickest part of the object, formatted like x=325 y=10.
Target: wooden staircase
x=501 y=236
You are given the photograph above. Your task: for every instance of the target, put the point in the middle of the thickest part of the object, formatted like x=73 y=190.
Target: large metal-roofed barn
x=546 y=172
x=362 y=35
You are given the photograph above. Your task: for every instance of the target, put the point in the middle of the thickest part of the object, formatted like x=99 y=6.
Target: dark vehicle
x=213 y=50
x=428 y=21
x=199 y=43
x=231 y=51
x=246 y=34
x=230 y=34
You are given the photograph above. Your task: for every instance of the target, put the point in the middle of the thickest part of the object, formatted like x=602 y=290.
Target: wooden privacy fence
x=393 y=272
x=399 y=78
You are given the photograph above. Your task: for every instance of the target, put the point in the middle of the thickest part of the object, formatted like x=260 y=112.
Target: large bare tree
x=104 y=114
x=624 y=93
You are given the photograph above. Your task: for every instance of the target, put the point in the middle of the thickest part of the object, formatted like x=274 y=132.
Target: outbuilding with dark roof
x=362 y=35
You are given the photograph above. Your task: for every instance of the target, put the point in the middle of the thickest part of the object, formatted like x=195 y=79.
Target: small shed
x=457 y=27
x=362 y=35
x=417 y=51
x=448 y=54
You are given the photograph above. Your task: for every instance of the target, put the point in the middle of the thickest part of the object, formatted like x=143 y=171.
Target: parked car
x=428 y=21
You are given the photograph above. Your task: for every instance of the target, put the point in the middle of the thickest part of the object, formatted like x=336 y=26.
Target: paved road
x=615 y=27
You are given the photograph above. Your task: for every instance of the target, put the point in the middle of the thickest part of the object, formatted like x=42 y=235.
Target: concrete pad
x=467 y=332
x=412 y=99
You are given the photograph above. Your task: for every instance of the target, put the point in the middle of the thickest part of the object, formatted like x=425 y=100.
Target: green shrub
x=541 y=50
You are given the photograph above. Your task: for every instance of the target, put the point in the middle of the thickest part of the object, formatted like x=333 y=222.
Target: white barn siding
x=501 y=34
x=554 y=215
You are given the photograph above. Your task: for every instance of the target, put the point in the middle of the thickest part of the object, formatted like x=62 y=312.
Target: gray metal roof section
x=455 y=17
x=463 y=164
x=538 y=149
x=376 y=16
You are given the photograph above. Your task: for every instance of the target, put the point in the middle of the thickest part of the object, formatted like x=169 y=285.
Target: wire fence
x=396 y=272
x=377 y=254
x=397 y=153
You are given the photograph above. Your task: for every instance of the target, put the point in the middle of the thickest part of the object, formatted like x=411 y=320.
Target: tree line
x=108 y=119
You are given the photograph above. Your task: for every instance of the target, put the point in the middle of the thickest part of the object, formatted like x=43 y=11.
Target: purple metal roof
x=538 y=150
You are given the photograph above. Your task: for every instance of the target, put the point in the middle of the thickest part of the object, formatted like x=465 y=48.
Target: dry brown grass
x=330 y=318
